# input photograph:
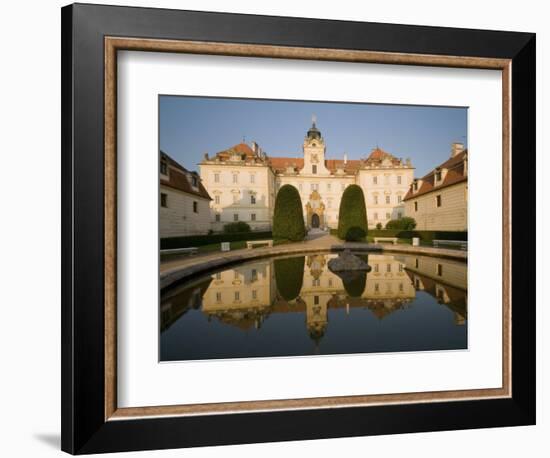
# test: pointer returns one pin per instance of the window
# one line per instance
(401, 287)
(398, 179)
(415, 185)
(376, 288)
(254, 294)
(400, 267)
(163, 200)
(438, 200)
(195, 206)
(235, 275)
(194, 181)
(235, 217)
(376, 269)
(399, 199)
(328, 187)
(438, 175)
(375, 198)
(253, 217)
(216, 178)
(315, 300)
(375, 216)
(217, 200)
(329, 203)
(388, 216)
(235, 178)
(235, 198)
(316, 282)
(314, 169)
(218, 297)
(388, 267)
(252, 178)
(218, 275)
(399, 215)
(416, 206)
(218, 217)
(330, 282)
(374, 180)
(387, 199)
(439, 270)
(252, 199)
(254, 275)
(416, 263)
(237, 296)
(163, 167)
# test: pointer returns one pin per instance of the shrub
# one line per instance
(232, 228)
(289, 276)
(352, 218)
(425, 236)
(406, 224)
(379, 226)
(288, 218)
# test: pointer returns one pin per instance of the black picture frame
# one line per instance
(84, 428)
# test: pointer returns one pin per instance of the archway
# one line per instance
(315, 220)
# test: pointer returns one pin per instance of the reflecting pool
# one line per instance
(296, 306)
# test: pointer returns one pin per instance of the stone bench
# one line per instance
(385, 239)
(179, 251)
(252, 243)
(460, 243)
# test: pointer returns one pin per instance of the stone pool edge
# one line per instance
(176, 274)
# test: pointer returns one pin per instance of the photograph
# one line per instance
(296, 228)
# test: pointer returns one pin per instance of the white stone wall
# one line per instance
(330, 188)
(451, 216)
(243, 190)
(383, 192)
(178, 218)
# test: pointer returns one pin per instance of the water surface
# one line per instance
(297, 306)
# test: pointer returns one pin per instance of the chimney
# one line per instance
(345, 158)
(456, 148)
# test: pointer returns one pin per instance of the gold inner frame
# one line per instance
(114, 44)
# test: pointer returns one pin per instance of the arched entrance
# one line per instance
(315, 220)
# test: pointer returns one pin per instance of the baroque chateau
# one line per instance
(241, 183)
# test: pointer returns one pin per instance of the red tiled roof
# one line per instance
(241, 148)
(455, 174)
(177, 179)
(377, 155)
(280, 164)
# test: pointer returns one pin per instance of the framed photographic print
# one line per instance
(284, 228)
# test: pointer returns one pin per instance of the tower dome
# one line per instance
(313, 132)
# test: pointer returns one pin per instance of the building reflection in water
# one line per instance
(245, 296)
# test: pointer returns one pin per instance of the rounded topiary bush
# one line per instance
(406, 223)
(352, 218)
(288, 219)
(289, 276)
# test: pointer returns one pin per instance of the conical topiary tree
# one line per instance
(288, 219)
(289, 277)
(352, 218)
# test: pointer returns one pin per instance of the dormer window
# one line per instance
(194, 181)
(437, 175)
(163, 167)
(415, 185)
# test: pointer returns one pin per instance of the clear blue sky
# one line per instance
(191, 126)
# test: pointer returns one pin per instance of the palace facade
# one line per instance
(184, 202)
(243, 182)
(439, 200)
